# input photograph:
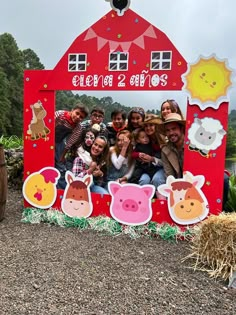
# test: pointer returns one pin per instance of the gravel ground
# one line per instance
(53, 270)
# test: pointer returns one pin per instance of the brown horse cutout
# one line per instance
(76, 201)
(37, 128)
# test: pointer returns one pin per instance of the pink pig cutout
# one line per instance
(131, 203)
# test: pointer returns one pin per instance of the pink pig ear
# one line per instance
(149, 191)
(113, 187)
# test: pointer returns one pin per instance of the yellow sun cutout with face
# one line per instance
(207, 82)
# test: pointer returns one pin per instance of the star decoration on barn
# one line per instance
(207, 82)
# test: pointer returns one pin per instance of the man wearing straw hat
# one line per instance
(172, 153)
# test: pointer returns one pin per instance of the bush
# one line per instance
(12, 142)
(231, 203)
(13, 149)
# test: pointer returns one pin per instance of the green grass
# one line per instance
(12, 142)
(231, 203)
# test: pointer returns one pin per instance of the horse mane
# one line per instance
(181, 185)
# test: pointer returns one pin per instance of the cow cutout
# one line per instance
(187, 203)
(39, 188)
(131, 204)
(76, 201)
(205, 134)
(37, 128)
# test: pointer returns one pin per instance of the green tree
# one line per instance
(65, 100)
(231, 142)
(31, 60)
(11, 62)
(89, 101)
(232, 119)
(106, 101)
(5, 104)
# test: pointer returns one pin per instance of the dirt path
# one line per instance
(53, 270)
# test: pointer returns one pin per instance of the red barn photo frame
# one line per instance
(120, 53)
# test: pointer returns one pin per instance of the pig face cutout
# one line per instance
(131, 204)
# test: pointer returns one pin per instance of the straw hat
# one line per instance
(152, 119)
(172, 117)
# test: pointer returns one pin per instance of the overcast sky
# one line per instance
(195, 27)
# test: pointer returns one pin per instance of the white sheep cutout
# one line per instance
(205, 134)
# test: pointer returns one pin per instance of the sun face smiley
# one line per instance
(207, 82)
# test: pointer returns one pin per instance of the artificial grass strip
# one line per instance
(107, 225)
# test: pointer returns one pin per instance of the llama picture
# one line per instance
(37, 128)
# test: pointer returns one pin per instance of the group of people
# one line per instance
(135, 147)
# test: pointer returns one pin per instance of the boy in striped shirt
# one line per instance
(67, 128)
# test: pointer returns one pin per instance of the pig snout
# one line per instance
(130, 205)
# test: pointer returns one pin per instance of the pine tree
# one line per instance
(5, 104)
(11, 62)
(31, 60)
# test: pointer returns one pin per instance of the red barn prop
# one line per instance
(121, 52)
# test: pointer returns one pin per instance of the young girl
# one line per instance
(120, 165)
(93, 163)
(83, 163)
(170, 106)
(135, 118)
(150, 125)
(142, 149)
(99, 154)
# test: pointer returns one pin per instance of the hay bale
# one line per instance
(214, 246)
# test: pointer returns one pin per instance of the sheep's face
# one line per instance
(205, 137)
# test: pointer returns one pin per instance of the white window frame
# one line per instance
(77, 63)
(118, 61)
(161, 60)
